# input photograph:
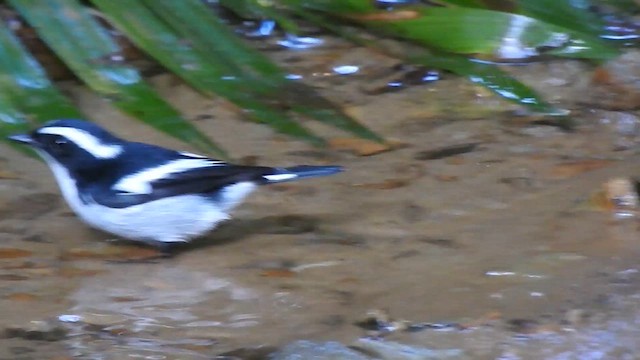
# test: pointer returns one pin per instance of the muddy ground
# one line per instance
(504, 241)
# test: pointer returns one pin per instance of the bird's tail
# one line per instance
(300, 172)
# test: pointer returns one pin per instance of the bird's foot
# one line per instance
(145, 260)
(137, 254)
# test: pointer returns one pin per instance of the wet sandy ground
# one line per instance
(502, 238)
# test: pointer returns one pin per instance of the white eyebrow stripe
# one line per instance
(140, 182)
(86, 141)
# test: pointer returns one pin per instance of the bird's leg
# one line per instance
(166, 249)
(161, 250)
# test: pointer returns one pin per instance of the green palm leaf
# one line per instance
(189, 40)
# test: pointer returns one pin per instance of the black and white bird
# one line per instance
(145, 192)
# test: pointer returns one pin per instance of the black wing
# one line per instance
(207, 179)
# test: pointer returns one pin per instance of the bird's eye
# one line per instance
(58, 146)
(60, 142)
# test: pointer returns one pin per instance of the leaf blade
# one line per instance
(87, 49)
(207, 74)
(479, 31)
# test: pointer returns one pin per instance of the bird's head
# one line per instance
(75, 144)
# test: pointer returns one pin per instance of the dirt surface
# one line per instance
(501, 239)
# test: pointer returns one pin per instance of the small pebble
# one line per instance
(248, 353)
(576, 317)
(37, 330)
(446, 151)
(413, 213)
(310, 350)
(523, 326)
(388, 350)
(441, 242)
(102, 320)
(290, 224)
(333, 238)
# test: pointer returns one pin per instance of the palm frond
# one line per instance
(467, 37)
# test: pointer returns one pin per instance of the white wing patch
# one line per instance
(190, 154)
(86, 141)
(233, 195)
(140, 182)
(280, 177)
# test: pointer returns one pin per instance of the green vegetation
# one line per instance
(188, 39)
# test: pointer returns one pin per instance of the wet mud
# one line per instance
(478, 216)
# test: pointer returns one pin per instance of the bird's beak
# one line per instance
(23, 139)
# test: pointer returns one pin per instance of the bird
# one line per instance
(147, 193)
